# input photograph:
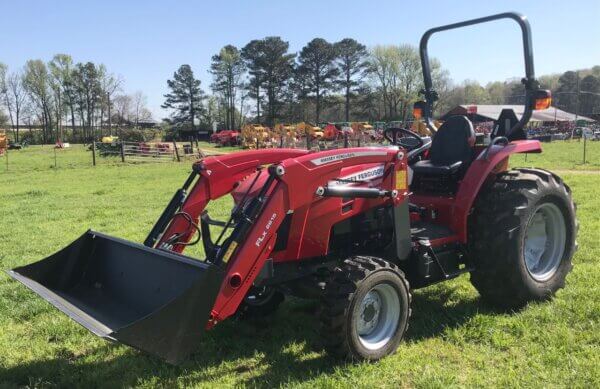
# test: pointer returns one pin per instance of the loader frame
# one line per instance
(253, 238)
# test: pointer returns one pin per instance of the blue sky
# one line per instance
(146, 41)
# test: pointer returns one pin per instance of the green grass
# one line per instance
(212, 147)
(563, 155)
(453, 339)
(46, 158)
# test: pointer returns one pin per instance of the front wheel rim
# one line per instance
(377, 316)
(545, 240)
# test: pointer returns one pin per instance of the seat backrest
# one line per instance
(507, 120)
(453, 142)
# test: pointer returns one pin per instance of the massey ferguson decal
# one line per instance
(363, 175)
(262, 236)
(339, 157)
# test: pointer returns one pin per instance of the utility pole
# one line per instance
(109, 117)
(577, 99)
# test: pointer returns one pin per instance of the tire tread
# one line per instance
(495, 220)
(338, 296)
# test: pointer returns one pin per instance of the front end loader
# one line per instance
(357, 228)
(153, 298)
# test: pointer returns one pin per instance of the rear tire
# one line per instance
(365, 309)
(522, 237)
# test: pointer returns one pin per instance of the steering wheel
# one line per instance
(409, 140)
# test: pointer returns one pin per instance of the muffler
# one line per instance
(153, 300)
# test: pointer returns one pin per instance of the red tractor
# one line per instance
(226, 138)
(356, 228)
(331, 132)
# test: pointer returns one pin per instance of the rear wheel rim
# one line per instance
(376, 319)
(545, 240)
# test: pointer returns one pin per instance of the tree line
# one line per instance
(265, 83)
(572, 91)
(63, 94)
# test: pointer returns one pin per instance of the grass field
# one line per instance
(563, 155)
(453, 339)
(45, 158)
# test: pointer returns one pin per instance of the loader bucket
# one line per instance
(153, 300)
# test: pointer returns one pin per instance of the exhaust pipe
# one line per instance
(153, 300)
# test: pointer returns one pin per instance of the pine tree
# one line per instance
(566, 93)
(352, 62)
(253, 55)
(589, 95)
(276, 66)
(270, 67)
(185, 97)
(317, 71)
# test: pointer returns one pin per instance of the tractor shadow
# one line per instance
(266, 352)
(263, 352)
(438, 309)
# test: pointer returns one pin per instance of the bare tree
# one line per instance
(3, 118)
(36, 83)
(110, 84)
(130, 109)
(145, 115)
(123, 109)
(4, 93)
(16, 97)
(139, 105)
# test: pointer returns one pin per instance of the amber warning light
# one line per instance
(418, 109)
(542, 100)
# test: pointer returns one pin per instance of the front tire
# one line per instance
(365, 309)
(522, 237)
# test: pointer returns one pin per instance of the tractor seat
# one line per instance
(428, 167)
(451, 150)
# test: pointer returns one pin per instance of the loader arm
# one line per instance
(218, 176)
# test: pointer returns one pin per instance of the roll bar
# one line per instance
(531, 85)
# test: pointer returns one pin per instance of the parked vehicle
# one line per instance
(226, 138)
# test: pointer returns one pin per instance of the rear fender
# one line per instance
(476, 175)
